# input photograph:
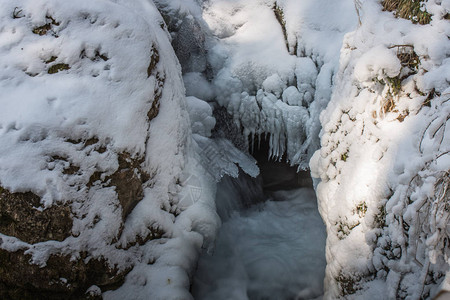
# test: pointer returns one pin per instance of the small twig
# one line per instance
(444, 187)
(418, 262)
(358, 7)
(398, 46)
(443, 153)
(17, 12)
(423, 134)
(439, 128)
(424, 279)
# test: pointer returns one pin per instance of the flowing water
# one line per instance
(271, 244)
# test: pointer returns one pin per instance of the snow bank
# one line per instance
(384, 159)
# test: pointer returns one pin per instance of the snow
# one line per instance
(381, 164)
(251, 67)
(376, 63)
(57, 102)
(379, 189)
(200, 114)
(103, 95)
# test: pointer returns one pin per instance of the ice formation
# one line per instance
(270, 64)
(273, 66)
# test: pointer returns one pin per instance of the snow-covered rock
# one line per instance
(384, 159)
(94, 152)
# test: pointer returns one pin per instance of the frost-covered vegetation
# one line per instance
(414, 10)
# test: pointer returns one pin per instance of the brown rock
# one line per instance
(128, 180)
(60, 279)
(20, 217)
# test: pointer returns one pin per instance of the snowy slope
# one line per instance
(384, 159)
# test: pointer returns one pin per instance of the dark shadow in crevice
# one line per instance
(277, 174)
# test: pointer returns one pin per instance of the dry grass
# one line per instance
(389, 104)
(407, 56)
(408, 9)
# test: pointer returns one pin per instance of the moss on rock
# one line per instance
(58, 67)
(408, 9)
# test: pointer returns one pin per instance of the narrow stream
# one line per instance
(272, 241)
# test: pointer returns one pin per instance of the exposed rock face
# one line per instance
(127, 181)
(189, 45)
(21, 217)
(61, 278)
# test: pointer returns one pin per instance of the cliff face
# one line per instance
(384, 158)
